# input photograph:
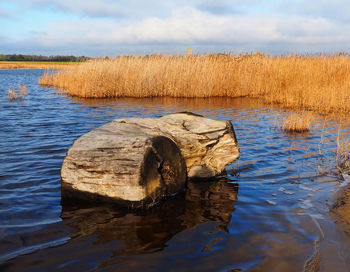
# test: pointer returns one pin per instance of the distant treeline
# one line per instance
(20, 57)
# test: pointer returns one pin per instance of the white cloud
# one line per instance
(230, 25)
(193, 26)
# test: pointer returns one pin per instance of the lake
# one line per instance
(269, 213)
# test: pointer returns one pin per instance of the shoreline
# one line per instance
(340, 209)
(35, 65)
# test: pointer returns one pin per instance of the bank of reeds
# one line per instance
(34, 65)
(318, 83)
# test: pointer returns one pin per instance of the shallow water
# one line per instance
(270, 213)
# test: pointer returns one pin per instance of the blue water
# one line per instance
(270, 213)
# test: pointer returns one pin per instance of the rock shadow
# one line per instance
(149, 230)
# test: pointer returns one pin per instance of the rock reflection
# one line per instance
(210, 201)
(147, 231)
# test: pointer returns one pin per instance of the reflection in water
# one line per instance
(149, 231)
(206, 104)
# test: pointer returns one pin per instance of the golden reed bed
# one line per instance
(34, 65)
(317, 83)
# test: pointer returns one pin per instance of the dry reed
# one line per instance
(22, 91)
(34, 65)
(297, 122)
(318, 83)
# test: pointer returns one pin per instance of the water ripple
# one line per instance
(260, 216)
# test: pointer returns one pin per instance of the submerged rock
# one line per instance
(143, 160)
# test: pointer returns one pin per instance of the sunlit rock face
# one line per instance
(143, 160)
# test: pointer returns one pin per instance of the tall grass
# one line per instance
(319, 83)
(297, 122)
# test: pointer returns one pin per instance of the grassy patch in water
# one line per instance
(318, 83)
(297, 123)
(21, 91)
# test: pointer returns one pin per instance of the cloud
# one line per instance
(190, 25)
(337, 9)
(4, 13)
(225, 6)
(101, 27)
(193, 27)
(138, 9)
(93, 8)
(125, 9)
(183, 26)
(219, 7)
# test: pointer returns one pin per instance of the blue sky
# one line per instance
(106, 27)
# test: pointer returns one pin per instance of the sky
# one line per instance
(98, 28)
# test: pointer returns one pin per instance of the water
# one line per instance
(270, 213)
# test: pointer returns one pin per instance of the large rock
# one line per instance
(142, 160)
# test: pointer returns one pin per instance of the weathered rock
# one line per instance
(126, 165)
(207, 145)
(142, 160)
